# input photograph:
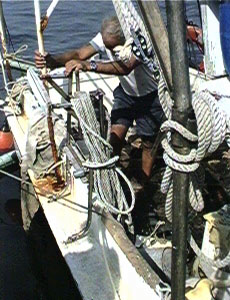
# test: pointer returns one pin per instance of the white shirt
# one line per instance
(139, 82)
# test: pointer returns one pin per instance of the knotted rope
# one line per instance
(212, 130)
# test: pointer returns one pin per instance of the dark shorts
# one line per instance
(145, 110)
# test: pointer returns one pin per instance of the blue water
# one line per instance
(72, 24)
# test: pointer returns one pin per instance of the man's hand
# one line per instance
(75, 65)
(46, 60)
(40, 60)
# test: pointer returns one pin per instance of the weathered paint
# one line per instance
(213, 59)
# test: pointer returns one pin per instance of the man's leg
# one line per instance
(147, 159)
(148, 118)
(117, 137)
(121, 119)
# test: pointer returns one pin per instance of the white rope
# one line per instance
(164, 290)
(2, 60)
(204, 260)
(20, 50)
(131, 22)
(212, 129)
(106, 182)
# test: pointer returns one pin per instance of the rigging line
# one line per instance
(10, 40)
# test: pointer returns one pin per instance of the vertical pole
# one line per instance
(182, 106)
(37, 12)
(49, 104)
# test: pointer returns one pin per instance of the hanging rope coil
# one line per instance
(106, 182)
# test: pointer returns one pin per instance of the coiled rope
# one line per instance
(106, 182)
(14, 89)
(212, 130)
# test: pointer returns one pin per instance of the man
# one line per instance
(134, 99)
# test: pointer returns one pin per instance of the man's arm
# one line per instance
(53, 61)
(115, 68)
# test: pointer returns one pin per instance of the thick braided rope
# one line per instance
(106, 182)
(129, 17)
(212, 128)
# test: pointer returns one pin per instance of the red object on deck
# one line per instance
(195, 35)
(6, 138)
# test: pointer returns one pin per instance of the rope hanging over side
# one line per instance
(106, 182)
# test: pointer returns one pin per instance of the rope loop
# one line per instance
(212, 130)
(20, 50)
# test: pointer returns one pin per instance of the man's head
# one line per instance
(112, 33)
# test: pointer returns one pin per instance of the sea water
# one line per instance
(71, 25)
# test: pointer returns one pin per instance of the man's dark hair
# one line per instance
(112, 26)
